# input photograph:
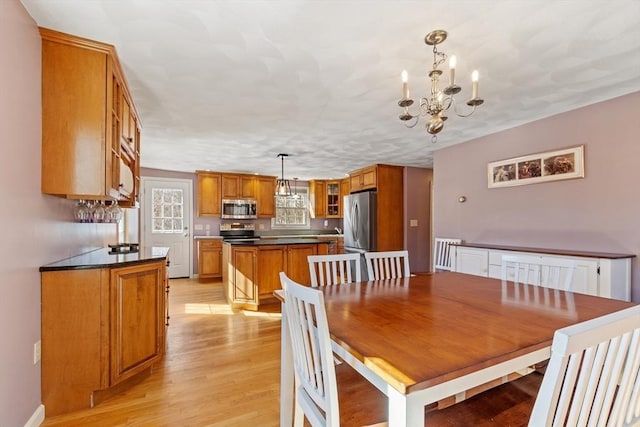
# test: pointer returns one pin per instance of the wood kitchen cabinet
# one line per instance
(266, 200)
(137, 306)
(345, 190)
(215, 186)
(245, 276)
(272, 260)
(101, 329)
(209, 259)
(236, 186)
(297, 263)
(325, 197)
(209, 200)
(90, 127)
(317, 198)
(363, 179)
(252, 273)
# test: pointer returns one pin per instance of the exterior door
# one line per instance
(166, 220)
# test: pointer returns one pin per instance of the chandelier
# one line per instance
(282, 185)
(439, 101)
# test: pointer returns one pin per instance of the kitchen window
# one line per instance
(292, 212)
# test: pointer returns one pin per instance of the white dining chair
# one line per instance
(442, 253)
(593, 377)
(334, 269)
(387, 265)
(555, 273)
(316, 390)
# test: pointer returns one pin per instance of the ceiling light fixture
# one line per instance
(282, 185)
(439, 101)
(295, 189)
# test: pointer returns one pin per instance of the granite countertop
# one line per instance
(303, 236)
(567, 252)
(101, 258)
(283, 236)
(271, 241)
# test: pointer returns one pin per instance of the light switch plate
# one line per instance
(413, 223)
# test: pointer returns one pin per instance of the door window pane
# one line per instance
(167, 210)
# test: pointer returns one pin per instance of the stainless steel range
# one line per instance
(238, 232)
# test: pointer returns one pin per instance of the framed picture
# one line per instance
(567, 163)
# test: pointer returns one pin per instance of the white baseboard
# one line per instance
(37, 418)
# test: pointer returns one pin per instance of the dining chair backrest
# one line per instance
(593, 376)
(442, 253)
(387, 265)
(555, 273)
(334, 269)
(316, 392)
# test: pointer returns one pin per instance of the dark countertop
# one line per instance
(567, 252)
(266, 242)
(100, 258)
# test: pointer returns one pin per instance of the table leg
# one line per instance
(404, 411)
(286, 374)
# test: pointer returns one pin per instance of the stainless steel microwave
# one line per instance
(239, 209)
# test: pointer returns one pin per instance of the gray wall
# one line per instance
(600, 212)
(37, 228)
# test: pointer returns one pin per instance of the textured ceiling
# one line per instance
(227, 85)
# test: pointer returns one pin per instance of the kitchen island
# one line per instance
(250, 269)
(103, 324)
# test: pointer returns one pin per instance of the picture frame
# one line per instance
(566, 163)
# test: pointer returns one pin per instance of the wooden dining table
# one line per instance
(431, 337)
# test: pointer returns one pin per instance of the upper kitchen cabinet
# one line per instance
(236, 186)
(326, 199)
(344, 191)
(209, 203)
(266, 200)
(363, 179)
(215, 186)
(90, 128)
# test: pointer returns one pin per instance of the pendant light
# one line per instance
(282, 185)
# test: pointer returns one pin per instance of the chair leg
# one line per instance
(298, 415)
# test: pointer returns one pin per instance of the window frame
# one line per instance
(303, 192)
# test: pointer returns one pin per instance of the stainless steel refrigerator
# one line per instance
(360, 224)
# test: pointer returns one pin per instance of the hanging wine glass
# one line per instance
(99, 212)
(81, 212)
(114, 212)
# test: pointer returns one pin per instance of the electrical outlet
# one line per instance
(413, 223)
(37, 352)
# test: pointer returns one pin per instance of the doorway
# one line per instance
(166, 217)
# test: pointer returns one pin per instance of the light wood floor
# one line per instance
(222, 367)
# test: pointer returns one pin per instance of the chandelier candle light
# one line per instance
(440, 100)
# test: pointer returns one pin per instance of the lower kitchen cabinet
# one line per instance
(137, 305)
(597, 273)
(252, 272)
(102, 330)
(209, 259)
